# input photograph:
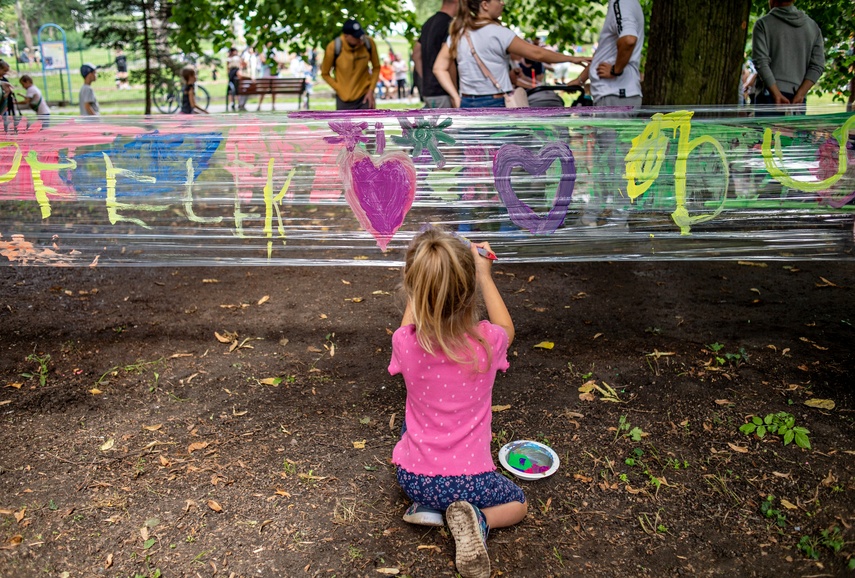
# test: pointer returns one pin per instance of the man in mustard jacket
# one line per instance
(353, 80)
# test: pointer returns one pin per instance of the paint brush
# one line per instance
(481, 250)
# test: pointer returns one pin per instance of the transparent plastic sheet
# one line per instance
(326, 188)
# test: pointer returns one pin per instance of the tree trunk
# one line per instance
(24, 28)
(147, 50)
(695, 52)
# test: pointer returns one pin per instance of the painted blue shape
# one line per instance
(162, 156)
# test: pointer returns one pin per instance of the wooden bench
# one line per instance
(275, 85)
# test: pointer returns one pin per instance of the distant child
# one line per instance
(88, 102)
(449, 361)
(33, 97)
(7, 96)
(188, 97)
(233, 65)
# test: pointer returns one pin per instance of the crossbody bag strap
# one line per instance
(483, 66)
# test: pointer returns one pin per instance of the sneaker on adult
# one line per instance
(422, 515)
(469, 528)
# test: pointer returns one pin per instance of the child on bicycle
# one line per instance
(449, 362)
(188, 97)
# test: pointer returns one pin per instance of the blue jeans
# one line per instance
(488, 101)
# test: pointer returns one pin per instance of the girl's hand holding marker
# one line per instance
(482, 248)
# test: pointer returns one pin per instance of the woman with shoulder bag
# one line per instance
(481, 45)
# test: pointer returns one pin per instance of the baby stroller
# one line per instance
(546, 96)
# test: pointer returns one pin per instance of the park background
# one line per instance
(700, 67)
(197, 421)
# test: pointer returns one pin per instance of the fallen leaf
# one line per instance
(280, 492)
(214, 506)
(355, 299)
(107, 445)
(360, 445)
(781, 474)
(144, 533)
(237, 413)
(227, 338)
(346, 282)
(751, 264)
(263, 300)
(530, 279)
(755, 290)
(500, 407)
(544, 345)
(588, 396)
(788, 504)
(189, 504)
(825, 283)
(5, 402)
(274, 381)
(323, 315)
(164, 462)
(736, 448)
(108, 562)
(16, 385)
(584, 479)
(196, 446)
(313, 349)
(19, 515)
(598, 335)
(389, 571)
(154, 427)
(820, 403)
(16, 539)
(429, 547)
(95, 391)
(210, 280)
(723, 402)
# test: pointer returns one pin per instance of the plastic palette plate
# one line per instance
(529, 460)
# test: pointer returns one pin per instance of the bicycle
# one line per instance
(168, 92)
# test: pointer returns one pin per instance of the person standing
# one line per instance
(614, 73)
(351, 67)
(33, 97)
(789, 53)
(425, 51)
(121, 70)
(233, 65)
(482, 46)
(188, 96)
(88, 102)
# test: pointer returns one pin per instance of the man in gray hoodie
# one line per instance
(789, 53)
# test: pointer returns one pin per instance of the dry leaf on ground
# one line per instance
(820, 403)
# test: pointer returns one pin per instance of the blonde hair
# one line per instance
(468, 18)
(439, 281)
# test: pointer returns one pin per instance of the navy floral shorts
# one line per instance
(481, 490)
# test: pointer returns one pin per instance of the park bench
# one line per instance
(275, 85)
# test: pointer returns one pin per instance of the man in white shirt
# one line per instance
(614, 72)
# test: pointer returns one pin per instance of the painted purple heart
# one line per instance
(381, 194)
(510, 156)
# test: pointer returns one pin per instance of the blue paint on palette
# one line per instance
(162, 156)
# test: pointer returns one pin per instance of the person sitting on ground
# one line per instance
(188, 96)
(449, 362)
(33, 97)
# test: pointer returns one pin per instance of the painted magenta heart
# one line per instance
(380, 191)
(510, 156)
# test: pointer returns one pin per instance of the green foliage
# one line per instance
(724, 358)
(809, 547)
(782, 424)
(767, 508)
(567, 22)
(42, 371)
(293, 23)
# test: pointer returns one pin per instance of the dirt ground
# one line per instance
(236, 422)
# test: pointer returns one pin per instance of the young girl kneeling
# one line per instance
(449, 362)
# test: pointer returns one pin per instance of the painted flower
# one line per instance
(424, 135)
(350, 133)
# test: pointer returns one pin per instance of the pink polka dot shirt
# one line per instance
(448, 409)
